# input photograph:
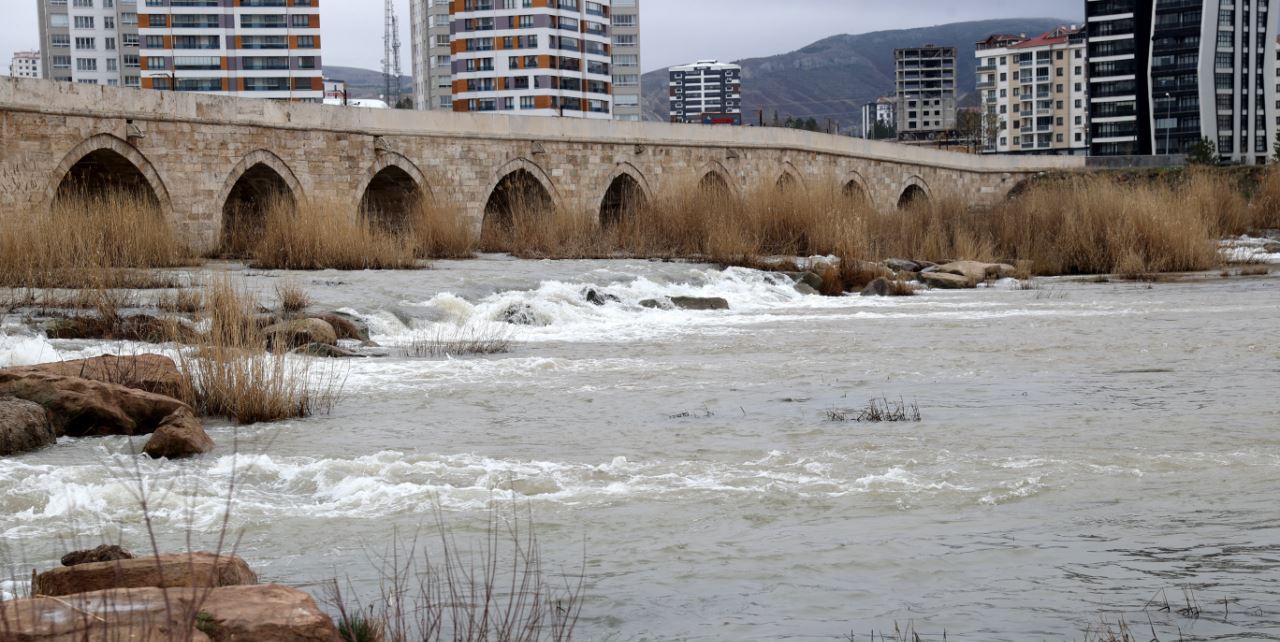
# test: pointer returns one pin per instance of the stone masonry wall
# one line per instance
(192, 149)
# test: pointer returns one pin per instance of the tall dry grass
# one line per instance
(441, 231)
(325, 235)
(1079, 225)
(234, 375)
(90, 239)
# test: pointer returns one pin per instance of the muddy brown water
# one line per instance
(1083, 448)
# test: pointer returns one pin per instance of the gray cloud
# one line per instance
(674, 31)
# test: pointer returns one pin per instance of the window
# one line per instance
(88, 44)
(84, 22)
(86, 64)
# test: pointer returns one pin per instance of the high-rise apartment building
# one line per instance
(548, 57)
(926, 90)
(90, 41)
(625, 33)
(707, 92)
(1034, 93)
(25, 64)
(432, 54)
(251, 48)
(1165, 74)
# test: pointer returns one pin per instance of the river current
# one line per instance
(1083, 447)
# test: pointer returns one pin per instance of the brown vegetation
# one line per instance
(319, 236)
(441, 231)
(233, 374)
(1075, 225)
(91, 240)
(292, 297)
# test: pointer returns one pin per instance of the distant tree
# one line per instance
(969, 126)
(881, 130)
(405, 103)
(811, 124)
(1203, 152)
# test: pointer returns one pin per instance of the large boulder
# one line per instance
(902, 265)
(103, 553)
(149, 372)
(686, 303)
(179, 436)
(878, 287)
(347, 326)
(83, 408)
(260, 613)
(24, 425)
(945, 281)
(300, 332)
(195, 570)
(265, 613)
(978, 271)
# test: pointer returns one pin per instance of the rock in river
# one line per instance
(179, 436)
(300, 332)
(195, 570)
(24, 425)
(83, 408)
(945, 281)
(149, 372)
(104, 553)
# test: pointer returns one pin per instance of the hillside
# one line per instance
(364, 83)
(834, 77)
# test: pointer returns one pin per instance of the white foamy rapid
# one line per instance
(561, 311)
(20, 350)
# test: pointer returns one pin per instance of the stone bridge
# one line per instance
(203, 157)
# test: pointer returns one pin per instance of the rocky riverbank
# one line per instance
(196, 597)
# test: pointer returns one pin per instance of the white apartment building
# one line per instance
(256, 48)
(1035, 93)
(445, 36)
(25, 64)
(882, 112)
(625, 33)
(707, 92)
(90, 41)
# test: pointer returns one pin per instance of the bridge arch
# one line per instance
(391, 191)
(914, 192)
(626, 192)
(102, 162)
(518, 187)
(790, 179)
(854, 190)
(256, 184)
(715, 178)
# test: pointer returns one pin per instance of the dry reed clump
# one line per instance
(493, 591)
(292, 297)
(441, 231)
(232, 373)
(1265, 207)
(181, 301)
(466, 340)
(319, 236)
(91, 239)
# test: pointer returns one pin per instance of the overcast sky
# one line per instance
(674, 31)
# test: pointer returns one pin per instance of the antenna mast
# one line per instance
(391, 90)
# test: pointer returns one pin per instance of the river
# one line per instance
(1083, 447)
